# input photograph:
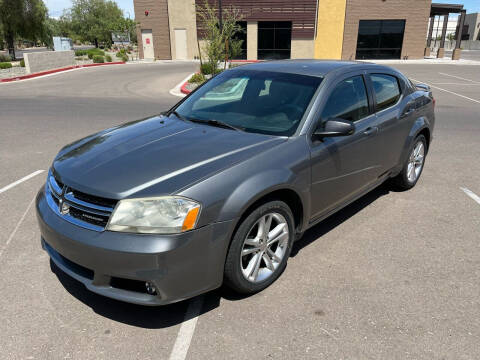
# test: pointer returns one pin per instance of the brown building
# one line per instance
(276, 29)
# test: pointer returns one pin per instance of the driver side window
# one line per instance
(347, 101)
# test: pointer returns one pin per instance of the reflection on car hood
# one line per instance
(152, 157)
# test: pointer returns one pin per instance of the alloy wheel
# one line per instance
(264, 247)
(415, 162)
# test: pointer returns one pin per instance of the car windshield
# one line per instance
(254, 101)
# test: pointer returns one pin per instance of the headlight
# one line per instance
(162, 215)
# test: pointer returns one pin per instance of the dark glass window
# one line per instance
(262, 102)
(274, 40)
(387, 90)
(380, 39)
(347, 101)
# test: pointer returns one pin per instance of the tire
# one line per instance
(241, 272)
(409, 176)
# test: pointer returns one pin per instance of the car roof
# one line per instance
(318, 68)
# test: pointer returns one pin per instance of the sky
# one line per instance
(55, 7)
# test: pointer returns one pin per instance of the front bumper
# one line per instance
(179, 266)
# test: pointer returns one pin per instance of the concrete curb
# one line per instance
(48, 72)
(177, 90)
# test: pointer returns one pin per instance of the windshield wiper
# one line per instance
(216, 123)
(174, 112)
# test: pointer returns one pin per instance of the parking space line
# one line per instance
(185, 334)
(25, 178)
(448, 91)
(461, 78)
(471, 194)
(16, 227)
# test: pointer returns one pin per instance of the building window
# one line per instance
(274, 40)
(380, 39)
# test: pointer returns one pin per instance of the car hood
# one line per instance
(152, 157)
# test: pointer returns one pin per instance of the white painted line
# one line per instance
(185, 334)
(471, 194)
(16, 227)
(460, 84)
(25, 178)
(458, 77)
(176, 90)
(448, 91)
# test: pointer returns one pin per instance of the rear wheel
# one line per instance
(260, 248)
(413, 167)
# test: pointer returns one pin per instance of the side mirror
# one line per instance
(335, 127)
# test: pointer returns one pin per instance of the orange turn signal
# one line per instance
(191, 219)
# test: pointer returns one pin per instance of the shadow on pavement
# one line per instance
(174, 314)
(338, 218)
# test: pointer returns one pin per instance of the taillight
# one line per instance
(434, 102)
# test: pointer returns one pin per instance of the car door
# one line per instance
(395, 107)
(344, 166)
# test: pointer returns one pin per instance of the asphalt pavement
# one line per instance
(392, 276)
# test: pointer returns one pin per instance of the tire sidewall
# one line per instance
(233, 272)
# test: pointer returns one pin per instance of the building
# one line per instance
(473, 23)
(277, 29)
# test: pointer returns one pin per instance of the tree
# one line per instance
(220, 42)
(22, 18)
(94, 20)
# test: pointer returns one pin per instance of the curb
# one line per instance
(177, 90)
(48, 72)
(184, 89)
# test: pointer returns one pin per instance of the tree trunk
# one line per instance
(10, 44)
(96, 42)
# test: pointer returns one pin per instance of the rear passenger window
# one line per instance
(347, 101)
(387, 90)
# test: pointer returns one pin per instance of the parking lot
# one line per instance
(395, 275)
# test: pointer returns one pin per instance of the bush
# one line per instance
(22, 63)
(206, 69)
(197, 78)
(80, 52)
(5, 58)
(5, 65)
(92, 52)
(108, 58)
(121, 53)
(124, 58)
(98, 59)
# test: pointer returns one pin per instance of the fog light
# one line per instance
(150, 288)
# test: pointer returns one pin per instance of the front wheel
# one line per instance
(413, 167)
(260, 248)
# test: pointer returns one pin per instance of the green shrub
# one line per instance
(124, 58)
(92, 52)
(22, 63)
(80, 52)
(5, 65)
(5, 58)
(108, 58)
(98, 59)
(197, 78)
(206, 69)
(121, 53)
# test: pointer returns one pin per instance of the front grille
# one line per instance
(89, 211)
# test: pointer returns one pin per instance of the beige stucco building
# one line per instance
(276, 29)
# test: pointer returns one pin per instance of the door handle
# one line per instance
(408, 112)
(371, 131)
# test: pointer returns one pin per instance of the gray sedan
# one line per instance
(216, 190)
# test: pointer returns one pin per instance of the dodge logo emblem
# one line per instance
(64, 207)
